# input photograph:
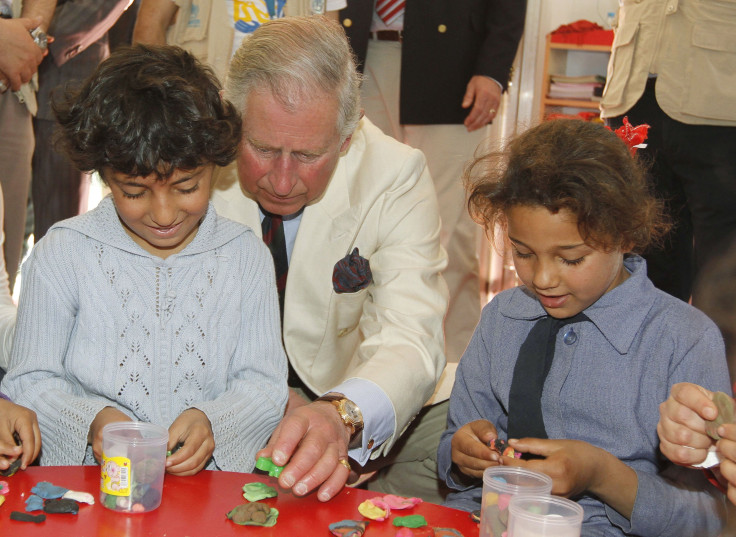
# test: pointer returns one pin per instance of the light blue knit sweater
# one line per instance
(104, 323)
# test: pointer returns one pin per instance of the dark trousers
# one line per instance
(693, 168)
(58, 189)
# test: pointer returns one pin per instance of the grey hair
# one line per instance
(298, 58)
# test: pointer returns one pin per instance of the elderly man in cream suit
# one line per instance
(672, 67)
(373, 353)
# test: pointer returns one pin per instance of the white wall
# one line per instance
(555, 13)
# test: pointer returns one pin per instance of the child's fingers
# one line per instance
(689, 404)
(192, 459)
(484, 431)
(535, 446)
(30, 438)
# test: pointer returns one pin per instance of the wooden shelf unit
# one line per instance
(555, 59)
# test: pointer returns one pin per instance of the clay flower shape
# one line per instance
(352, 273)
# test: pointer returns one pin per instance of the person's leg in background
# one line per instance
(704, 159)
(671, 267)
(8, 310)
(16, 150)
(59, 190)
(411, 467)
(448, 149)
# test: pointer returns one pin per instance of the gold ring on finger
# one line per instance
(346, 464)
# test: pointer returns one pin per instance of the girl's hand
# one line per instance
(21, 421)
(470, 447)
(191, 443)
(104, 416)
(572, 464)
(577, 467)
(681, 426)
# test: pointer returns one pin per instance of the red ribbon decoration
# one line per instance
(632, 136)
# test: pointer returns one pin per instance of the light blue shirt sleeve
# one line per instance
(378, 415)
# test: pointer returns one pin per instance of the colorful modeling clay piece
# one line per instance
(726, 414)
(48, 491)
(475, 516)
(81, 497)
(349, 528)
(25, 517)
(399, 502)
(147, 471)
(267, 465)
(258, 491)
(177, 447)
(504, 449)
(2, 500)
(60, 505)
(10, 470)
(410, 521)
(4, 488)
(108, 500)
(34, 503)
(447, 532)
(404, 532)
(254, 514)
(369, 509)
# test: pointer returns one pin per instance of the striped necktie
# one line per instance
(273, 235)
(390, 10)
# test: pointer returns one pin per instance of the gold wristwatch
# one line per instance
(349, 412)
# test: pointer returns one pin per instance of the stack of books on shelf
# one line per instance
(580, 88)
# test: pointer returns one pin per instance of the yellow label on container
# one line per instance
(115, 476)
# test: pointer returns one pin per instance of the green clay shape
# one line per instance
(410, 521)
(726, 414)
(258, 491)
(254, 514)
(267, 465)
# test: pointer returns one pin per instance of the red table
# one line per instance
(196, 506)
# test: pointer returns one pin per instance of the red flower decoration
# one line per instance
(633, 137)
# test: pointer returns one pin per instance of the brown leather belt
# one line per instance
(387, 35)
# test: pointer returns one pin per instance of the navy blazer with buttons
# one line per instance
(445, 43)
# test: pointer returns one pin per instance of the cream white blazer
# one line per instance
(380, 199)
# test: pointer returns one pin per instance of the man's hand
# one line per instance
(484, 94)
(104, 416)
(681, 426)
(192, 432)
(19, 55)
(313, 440)
(18, 419)
(470, 450)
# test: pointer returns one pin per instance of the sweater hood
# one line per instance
(103, 224)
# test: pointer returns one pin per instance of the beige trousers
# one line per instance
(447, 149)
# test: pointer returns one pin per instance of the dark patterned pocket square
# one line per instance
(352, 273)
